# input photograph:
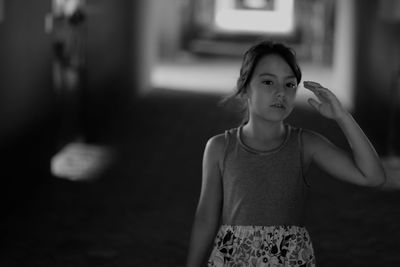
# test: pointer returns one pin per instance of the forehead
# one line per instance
(273, 64)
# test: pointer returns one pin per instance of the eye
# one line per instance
(291, 85)
(267, 82)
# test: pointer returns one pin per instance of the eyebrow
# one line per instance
(270, 74)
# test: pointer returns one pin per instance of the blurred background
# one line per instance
(105, 108)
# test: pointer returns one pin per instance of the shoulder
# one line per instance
(216, 144)
(214, 152)
(311, 138)
(305, 136)
(314, 143)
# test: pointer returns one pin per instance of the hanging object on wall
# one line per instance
(68, 27)
(256, 4)
(69, 40)
(228, 27)
(262, 16)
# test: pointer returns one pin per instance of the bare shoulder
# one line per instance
(214, 151)
(313, 142)
(311, 138)
(215, 145)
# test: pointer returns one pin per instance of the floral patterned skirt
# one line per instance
(262, 246)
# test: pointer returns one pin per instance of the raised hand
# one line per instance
(328, 106)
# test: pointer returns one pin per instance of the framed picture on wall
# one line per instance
(254, 16)
(269, 5)
(227, 27)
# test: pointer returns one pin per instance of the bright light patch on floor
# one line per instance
(81, 162)
(277, 21)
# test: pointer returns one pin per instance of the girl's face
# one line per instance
(272, 89)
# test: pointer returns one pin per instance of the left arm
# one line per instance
(363, 167)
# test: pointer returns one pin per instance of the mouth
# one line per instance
(278, 106)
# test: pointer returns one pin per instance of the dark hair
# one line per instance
(255, 53)
(251, 58)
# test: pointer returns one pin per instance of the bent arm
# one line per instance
(365, 157)
(208, 211)
(362, 166)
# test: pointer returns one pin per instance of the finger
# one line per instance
(311, 83)
(321, 92)
(326, 94)
(313, 90)
(314, 103)
(313, 87)
(316, 92)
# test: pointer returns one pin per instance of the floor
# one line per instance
(139, 211)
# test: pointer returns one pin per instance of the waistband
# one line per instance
(244, 231)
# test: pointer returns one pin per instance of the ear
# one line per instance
(246, 93)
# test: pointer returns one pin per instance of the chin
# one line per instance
(278, 116)
(273, 115)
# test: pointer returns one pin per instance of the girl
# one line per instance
(253, 185)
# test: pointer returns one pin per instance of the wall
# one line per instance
(25, 67)
(121, 48)
(146, 43)
(377, 61)
(343, 59)
(107, 69)
(27, 125)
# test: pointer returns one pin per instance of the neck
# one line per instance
(264, 131)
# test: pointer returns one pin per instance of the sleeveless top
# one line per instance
(263, 188)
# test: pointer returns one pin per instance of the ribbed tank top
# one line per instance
(263, 187)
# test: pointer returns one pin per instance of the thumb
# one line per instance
(313, 103)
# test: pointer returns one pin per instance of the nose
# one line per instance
(280, 91)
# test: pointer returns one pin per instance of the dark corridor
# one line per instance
(139, 212)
